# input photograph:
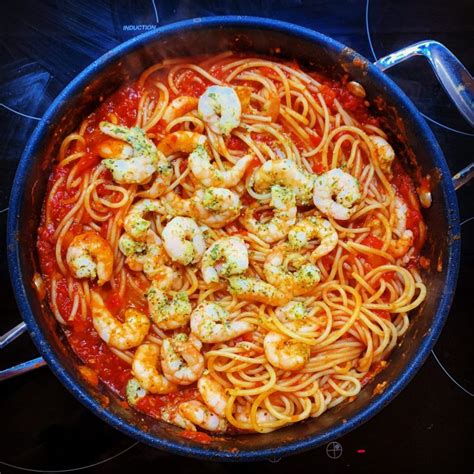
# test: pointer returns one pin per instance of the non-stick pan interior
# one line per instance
(260, 38)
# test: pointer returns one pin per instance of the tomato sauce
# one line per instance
(121, 107)
(372, 259)
(197, 436)
(81, 334)
(45, 248)
(189, 83)
(94, 352)
(236, 144)
(376, 368)
(358, 107)
(152, 404)
(405, 188)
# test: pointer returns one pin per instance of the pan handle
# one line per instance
(463, 177)
(454, 77)
(22, 368)
(12, 334)
(27, 366)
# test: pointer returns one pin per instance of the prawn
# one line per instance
(271, 106)
(135, 164)
(399, 247)
(183, 240)
(399, 217)
(134, 392)
(384, 153)
(145, 370)
(262, 417)
(168, 313)
(214, 207)
(284, 172)
(198, 414)
(310, 228)
(298, 282)
(181, 359)
(90, 256)
(294, 316)
(135, 224)
(120, 335)
(149, 257)
(220, 108)
(213, 394)
(337, 183)
(402, 238)
(211, 323)
(179, 107)
(277, 228)
(225, 257)
(285, 353)
(181, 141)
(173, 416)
(244, 94)
(208, 175)
(112, 148)
(254, 289)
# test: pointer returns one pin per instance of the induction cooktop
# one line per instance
(44, 44)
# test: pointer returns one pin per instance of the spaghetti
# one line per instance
(231, 244)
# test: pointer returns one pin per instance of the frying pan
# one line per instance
(412, 139)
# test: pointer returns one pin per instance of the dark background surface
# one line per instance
(44, 44)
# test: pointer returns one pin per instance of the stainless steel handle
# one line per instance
(454, 77)
(463, 177)
(22, 368)
(11, 335)
(19, 369)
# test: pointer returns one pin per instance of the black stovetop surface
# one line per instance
(43, 45)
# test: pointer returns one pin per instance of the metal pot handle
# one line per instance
(454, 77)
(27, 366)
(451, 73)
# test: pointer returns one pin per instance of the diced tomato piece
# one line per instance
(372, 241)
(235, 143)
(189, 83)
(63, 301)
(328, 260)
(197, 436)
(114, 302)
(263, 137)
(74, 230)
(89, 160)
(247, 200)
(218, 72)
(314, 140)
(328, 94)
(375, 243)
(46, 252)
(267, 71)
(247, 337)
(103, 229)
(350, 102)
(102, 191)
(255, 163)
(413, 218)
(383, 314)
